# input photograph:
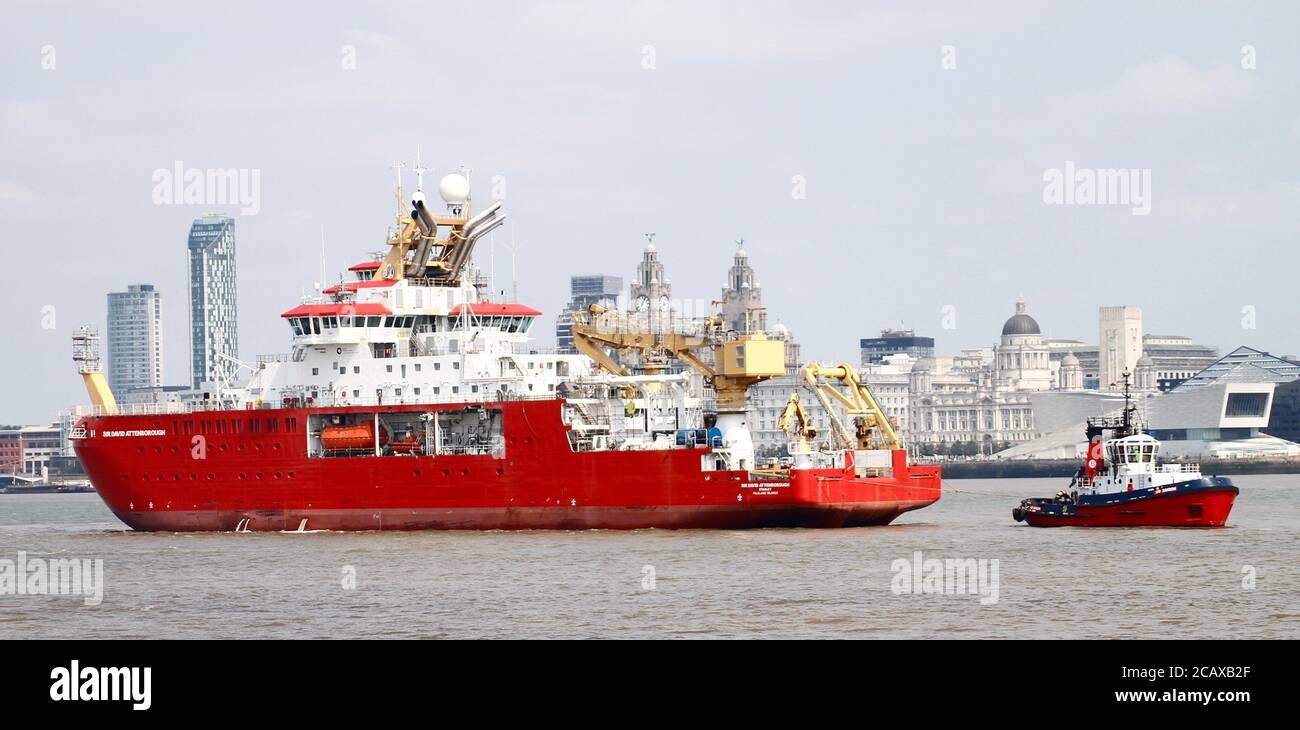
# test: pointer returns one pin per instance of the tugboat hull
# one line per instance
(1202, 502)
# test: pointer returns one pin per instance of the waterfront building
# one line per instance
(1248, 365)
(1070, 373)
(1023, 388)
(135, 356)
(584, 291)
(39, 444)
(1244, 405)
(741, 307)
(1086, 355)
(651, 292)
(1119, 344)
(1022, 360)
(1176, 358)
(11, 451)
(214, 329)
(741, 303)
(874, 350)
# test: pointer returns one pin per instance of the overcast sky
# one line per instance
(924, 182)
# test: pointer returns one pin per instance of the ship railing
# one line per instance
(1180, 468)
(273, 358)
(526, 349)
(301, 401)
(494, 445)
(485, 395)
(153, 409)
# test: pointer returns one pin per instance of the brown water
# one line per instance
(1066, 582)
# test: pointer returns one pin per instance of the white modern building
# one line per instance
(1221, 412)
(135, 355)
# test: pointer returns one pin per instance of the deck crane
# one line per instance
(796, 422)
(737, 362)
(872, 429)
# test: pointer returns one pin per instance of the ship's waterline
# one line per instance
(1232, 582)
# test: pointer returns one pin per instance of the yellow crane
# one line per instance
(738, 362)
(871, 427)
(796, 422)
(85, 352)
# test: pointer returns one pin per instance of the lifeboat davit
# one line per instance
(355, 436)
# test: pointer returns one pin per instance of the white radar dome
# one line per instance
(454, 188)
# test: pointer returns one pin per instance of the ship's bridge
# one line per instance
(365, 271)
(496, 316)
(1136, 453)
(352, 322)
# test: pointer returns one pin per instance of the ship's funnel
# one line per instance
(476, 221)
(487, 228)
(422, 218)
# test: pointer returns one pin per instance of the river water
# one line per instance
(1242, 581)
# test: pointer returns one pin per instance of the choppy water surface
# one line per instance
(760, 583)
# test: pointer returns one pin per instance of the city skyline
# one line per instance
(925, 184)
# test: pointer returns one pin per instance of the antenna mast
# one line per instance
(420, 169)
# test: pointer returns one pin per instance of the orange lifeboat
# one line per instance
(355, 436)
(408, 445)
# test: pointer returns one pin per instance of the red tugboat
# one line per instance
(1122, 484)
(410, 400)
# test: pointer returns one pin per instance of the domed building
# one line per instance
(1021, 360)
(1144, 375)
(1070, 376)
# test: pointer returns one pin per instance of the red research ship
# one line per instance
(410, 401)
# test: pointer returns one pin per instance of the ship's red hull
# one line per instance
(253, 472)
(1207, 507)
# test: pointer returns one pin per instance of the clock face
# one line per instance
(663, 303)
(642, 303)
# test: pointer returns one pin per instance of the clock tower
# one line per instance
(651, 292)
